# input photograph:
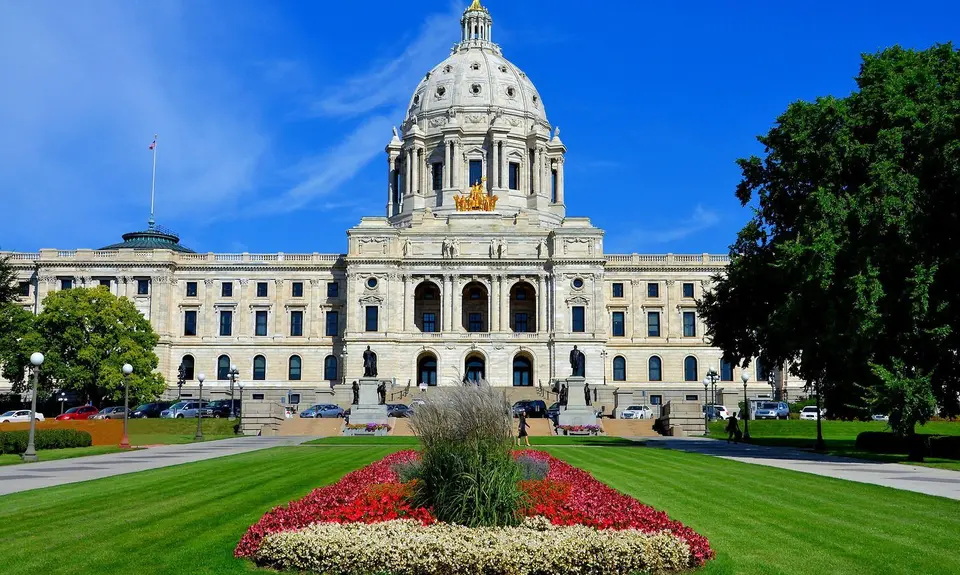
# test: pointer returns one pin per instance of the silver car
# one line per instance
(185, 409)
(110, 413)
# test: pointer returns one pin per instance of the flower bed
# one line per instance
(573, 523)
(366, 428)
(579, 429)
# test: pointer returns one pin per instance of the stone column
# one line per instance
(203, 327)
(668, 323)
(537, 171)
(504, 303)
(390, 172)
(122, 283)
(408, 289)
(280, 320)
(638, 314)
(242, 319)
(315, 317)
(447, 165)
(408, 176)
(495, 166)
(560, 180)
(415, 169)
(494, 305)
(456, 300)
(447, 303)
(541, 305)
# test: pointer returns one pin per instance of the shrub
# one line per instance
(467, 473)
(407, 547)
(16, 441)
(889, 442)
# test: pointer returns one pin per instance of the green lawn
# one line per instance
(53, 454)
(188, 518)
(174, 431)
(413, 442)
(839, 436)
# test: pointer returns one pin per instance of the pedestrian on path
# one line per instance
(522, 431)
(733, 429)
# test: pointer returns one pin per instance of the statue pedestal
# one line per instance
(369, 409)
(577, 412)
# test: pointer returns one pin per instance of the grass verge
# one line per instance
(55, 454)
(176, 431)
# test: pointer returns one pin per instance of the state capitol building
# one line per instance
(474, 270)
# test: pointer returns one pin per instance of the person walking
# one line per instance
(733, 429)
(522, 431)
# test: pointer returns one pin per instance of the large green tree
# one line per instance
(88, 334)
(18, 339)
(8, 282)
(847, 270)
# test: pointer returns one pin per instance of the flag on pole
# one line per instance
(153, 144)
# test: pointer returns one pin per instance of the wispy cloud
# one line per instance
(699, 220)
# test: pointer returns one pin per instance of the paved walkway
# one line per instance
(940, 482)
(23, 477)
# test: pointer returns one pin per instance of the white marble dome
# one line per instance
(476, 78)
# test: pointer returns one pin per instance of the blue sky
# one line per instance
(273, 116)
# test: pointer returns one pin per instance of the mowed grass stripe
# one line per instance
(181, 519)
(767, 520)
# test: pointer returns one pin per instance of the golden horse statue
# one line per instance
(478, 200)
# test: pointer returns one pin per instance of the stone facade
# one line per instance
(439, 291)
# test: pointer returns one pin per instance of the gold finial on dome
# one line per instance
(476, 6)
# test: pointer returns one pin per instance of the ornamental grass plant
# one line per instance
(467, 474)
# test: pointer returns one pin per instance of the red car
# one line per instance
(82, 412)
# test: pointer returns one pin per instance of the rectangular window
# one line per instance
(520, 323)
(437, 176)
(656, 400)
(261, 322)
(474, 323)
(333, 289)
(373, 318)
(618, 329)
(24, 289)
(296, 323)
(429, 323)
(653, 290)
(66, 283)
(294, 399)
(226, 322)
(333, 323)
(618, 290)
(689, 324)
(688, 290)
(297, 289)
(476, 172)
(143, 287)
(105, 283)
(514, 177)
(261, 289)
(191, 289)
(258, 397)
(578, 323)
(690, 397)
(653, 324)
(553, 186)
(226, 289)
(190, 322)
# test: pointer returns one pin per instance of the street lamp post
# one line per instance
(746, 406)
(603, 356)
(711, 378)
(234, 376)
(127, 370)
(240, 413)
(199, 435)
(30, 455)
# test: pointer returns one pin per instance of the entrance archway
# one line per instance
(523, 308)
(522, 370)
(475, 368)
(476, 308)
(427, 369)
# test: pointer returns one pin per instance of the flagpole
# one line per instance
(153, 181)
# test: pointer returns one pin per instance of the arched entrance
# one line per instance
(523, 308)
(475, 368)
(476, 309)
(427, 369)
(522, 370)
(426, 307)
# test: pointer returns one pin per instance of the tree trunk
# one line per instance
(820, 445)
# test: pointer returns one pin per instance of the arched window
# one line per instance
(259, 368)
(690, 369)
(188, 364)
(726, 370)
(522, 371)
(330, 368)
(476, 368)
(427, 370)
(223, 367)
(293, 370)
(619, 369)
(654, 366)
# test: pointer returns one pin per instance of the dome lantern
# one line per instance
(476, 25)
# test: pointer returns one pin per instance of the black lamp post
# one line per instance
(711, 378)
(746, 406)
(30, 455)
(127, 370)
(234, 376)
(199, 434)
(240, 411)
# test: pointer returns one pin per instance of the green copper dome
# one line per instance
(153, 238)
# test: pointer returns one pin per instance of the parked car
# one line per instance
(110, 413)
(18, 416)
(82, 412)
(418, 401)
(772, 410)
(716, 411)
(810, 412)
(398, 410)
(225, 407)
(185, 409)
(880, 417)
(323, 410)
(553, 412)
(637, 412)
(532, 407)
(150, 409)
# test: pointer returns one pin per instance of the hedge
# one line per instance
(16, 441)
(943, 446)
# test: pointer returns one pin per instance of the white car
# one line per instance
(880, 417)
(636, 412)
(18, 416)
(721, 411)
(810, 413)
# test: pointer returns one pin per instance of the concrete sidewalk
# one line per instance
(927, 480)
(23, 477)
